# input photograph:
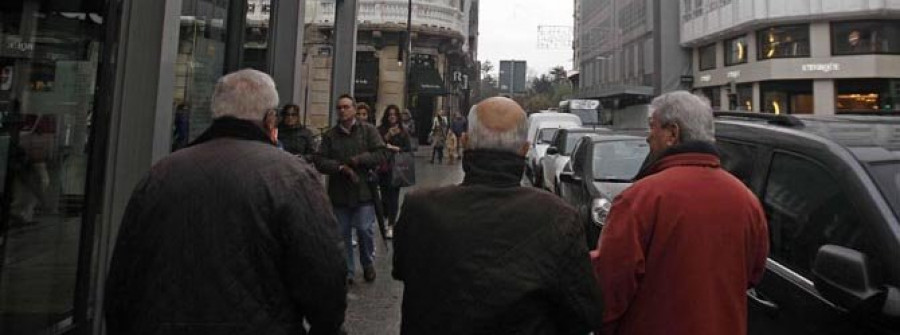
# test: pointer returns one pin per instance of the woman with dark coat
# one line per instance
(295, 138)
(397, 139)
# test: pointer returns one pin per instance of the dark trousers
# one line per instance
(439, 152)
(390, 196)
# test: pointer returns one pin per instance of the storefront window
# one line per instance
(744, 98)
(256, 37)
(867, 95)
(713, 94)
(736, 51)
(201, 61)
(49, 60)
(708, 57)
(787, 97)
(865, 37)
(783, 42)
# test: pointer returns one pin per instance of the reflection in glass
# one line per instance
(865, 37)
(736, 51)
(256, 35)
(200, 63)
(708, 57)
(867, 95)
(48, 71)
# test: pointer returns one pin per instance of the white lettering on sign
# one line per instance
(705, 78)
(20, 46)
(734, 74)
(823, 67)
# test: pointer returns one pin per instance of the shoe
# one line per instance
(389, 233)
(369, 273)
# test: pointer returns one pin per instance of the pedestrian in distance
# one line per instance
(458, 128)
(452, 144)
(364, 113)
(229, 235)
(683, 244)
(293, 135)
(349, 154)
(438, 136)
(397, 140)
(409, 124)
(490, 256)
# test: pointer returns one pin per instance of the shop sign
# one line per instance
(821, 67)
(705, 78)
(734, 74)
(14, 46)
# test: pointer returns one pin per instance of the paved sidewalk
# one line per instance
(374, 308)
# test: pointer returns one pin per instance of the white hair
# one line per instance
(480, 137)
(246, 94)
(691, 113)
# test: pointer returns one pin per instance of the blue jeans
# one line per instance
(362, 218)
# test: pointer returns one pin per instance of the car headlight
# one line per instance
(599, 211)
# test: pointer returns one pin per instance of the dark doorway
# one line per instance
(423, 113)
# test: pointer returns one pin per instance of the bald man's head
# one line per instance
(498, 124)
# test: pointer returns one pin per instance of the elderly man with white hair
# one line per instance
(489, 256)
(683, 244)
(229, 235)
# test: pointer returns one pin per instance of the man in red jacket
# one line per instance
(685, 242)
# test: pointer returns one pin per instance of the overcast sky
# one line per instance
(509, 31)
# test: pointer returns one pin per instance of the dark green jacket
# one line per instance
(338, 147)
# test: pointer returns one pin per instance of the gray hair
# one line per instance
(691, 113)
(481, 137)
(245, 94)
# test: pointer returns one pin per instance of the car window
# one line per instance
(619, 161)
(546, 135)
(807, 209)
(887, 177)
(739, 159)
(571, 139)
(578, 156)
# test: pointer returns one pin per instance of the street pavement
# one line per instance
(374, 308)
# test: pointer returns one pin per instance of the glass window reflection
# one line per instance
(783, 42)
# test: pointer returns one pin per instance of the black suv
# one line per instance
(830, 186)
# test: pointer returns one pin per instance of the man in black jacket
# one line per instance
(490, 256)
(348, 154)
(229, 235)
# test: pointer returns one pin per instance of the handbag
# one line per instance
(403, 169)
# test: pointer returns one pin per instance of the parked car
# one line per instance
(602, 166)
(558, 154)
(830, 187)
(541, 128)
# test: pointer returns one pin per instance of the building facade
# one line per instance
(441, 64)
(627, 52)
(793, 56)
(92, 93)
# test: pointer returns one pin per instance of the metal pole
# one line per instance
(407, 46)
(344, 53)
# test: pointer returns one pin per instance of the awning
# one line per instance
(426, 81)
(366, 83)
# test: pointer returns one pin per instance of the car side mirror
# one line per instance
(552, 151)
(844, 277)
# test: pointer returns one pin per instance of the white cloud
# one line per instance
(509, 31)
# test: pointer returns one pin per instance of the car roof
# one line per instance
(616, 137)
(868, 137)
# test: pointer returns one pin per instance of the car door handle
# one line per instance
(761, 300)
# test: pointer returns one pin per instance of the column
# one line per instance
(286, 48)
(342, 75)
(823, 97)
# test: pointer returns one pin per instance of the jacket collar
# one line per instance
(694, 153)
(233, 128)
(493, 168)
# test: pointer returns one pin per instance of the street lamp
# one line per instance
(405, 42)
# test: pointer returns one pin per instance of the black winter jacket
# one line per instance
(231, 236)
(492, 257)
(298, 141)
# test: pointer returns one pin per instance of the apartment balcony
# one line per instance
(391, 15)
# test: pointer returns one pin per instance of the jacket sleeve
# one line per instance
(314, 269)
(405, 143)
(619, 261)
(375, 150)
(401, 239)
(307, 147)
(759, 245)
(324, 158)
(577, 294)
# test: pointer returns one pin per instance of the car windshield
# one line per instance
(587, 116)
(546, 135)
(619, 161)
(887, 177)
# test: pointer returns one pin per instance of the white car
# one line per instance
(559, 153)
(541, 129)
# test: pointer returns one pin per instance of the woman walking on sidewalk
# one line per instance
(396, 139)
(438, 136)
